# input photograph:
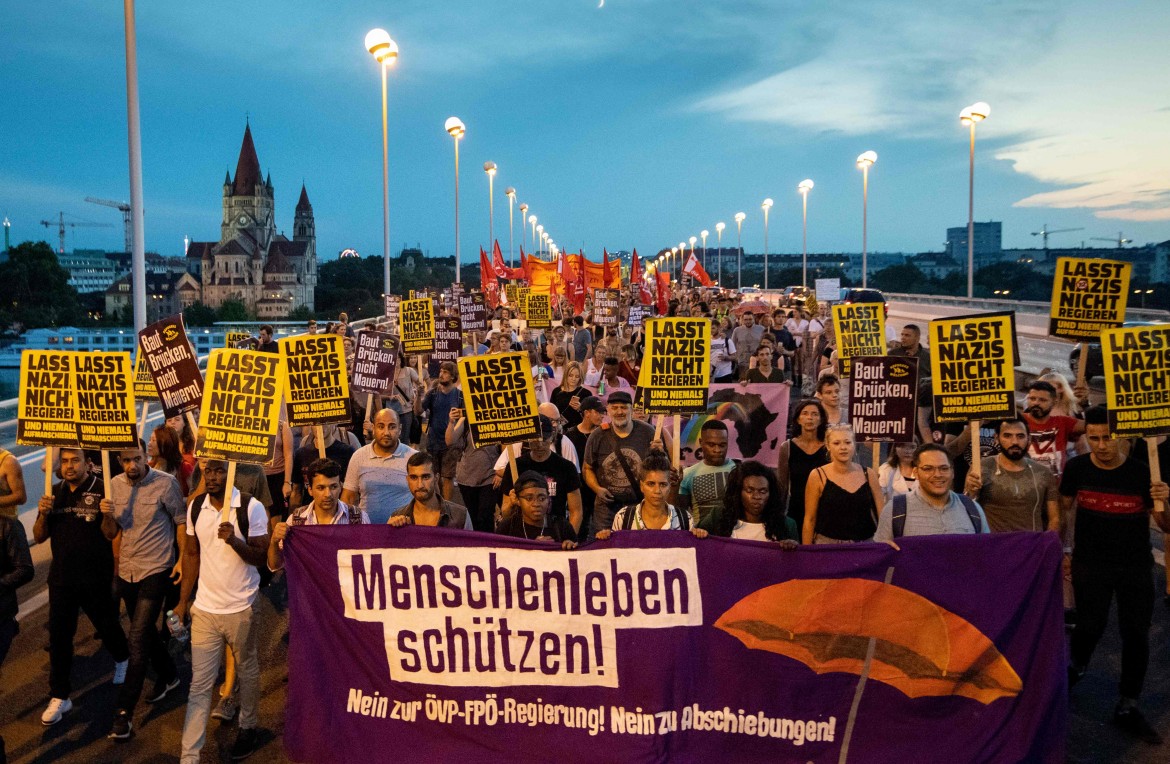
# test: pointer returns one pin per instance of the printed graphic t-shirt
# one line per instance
(1112, 510)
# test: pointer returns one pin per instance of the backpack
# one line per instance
(241, 520)
(899, 518)
(684, 518)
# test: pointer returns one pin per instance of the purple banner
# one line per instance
(459, 646)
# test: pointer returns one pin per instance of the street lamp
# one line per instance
(511, 194)
(539, 240)
(976, 112)
(532, 222)
(739, 218)
(804, 187)
(703, 258)
(544, 239)
(490, 169)
(682, 249)
(865, 160)
(455, 127)
(385, 52)
(719, 237)
(767, 205)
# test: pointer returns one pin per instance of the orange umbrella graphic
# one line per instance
(858, 626)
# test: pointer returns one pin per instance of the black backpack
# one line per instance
(899, 519)
(241, 520)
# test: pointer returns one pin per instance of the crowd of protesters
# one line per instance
(174, 540)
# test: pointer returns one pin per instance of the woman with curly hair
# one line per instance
(752, 508)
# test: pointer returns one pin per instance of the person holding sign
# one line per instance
(233, 545)
(613, 456)
(1016, 493)
(148, 509)
(80, 575)
(1112, 496)
(1051, 433)
(443, 396)
(841, 499)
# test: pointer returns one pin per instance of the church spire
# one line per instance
(248, 167)
(303, 202)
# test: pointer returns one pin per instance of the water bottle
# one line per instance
(176, 627)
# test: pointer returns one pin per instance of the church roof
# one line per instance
(277, 262)
(292, 248)
(247, 167)
(232, 247)
(200, 249)
(303, 202)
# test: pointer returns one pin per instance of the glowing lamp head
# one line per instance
(532, 219)
(720, 226)
(976, 112)
(804, 186)
(510, 192)
(693, 239)
(539, 228)
(381, 47)
(866, 159)
(767, 205)
(455, 127)
(523, 208)
(740, 217)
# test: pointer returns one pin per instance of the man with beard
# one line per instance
(426, 506)
(233, 541)
(1050, 433)
(324, 508)
(613, 456)
(1016, 493)
(376, 478)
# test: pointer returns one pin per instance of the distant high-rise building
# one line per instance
(988, 241)
(251, 262)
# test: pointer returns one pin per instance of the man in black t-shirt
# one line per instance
(1112, 496)
(79, 576)
(564, 482)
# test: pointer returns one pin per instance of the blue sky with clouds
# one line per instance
(634, 124)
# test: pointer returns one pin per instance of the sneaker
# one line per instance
(120, 671)
(57, 708)
(247, 742)
(123, 726)
(161, 690)
(1131, 720)
(226, 708)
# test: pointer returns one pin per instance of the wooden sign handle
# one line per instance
(319, 436)
(1155, 469)
(370, 406)
(106, 479)
(225, 514)
(142, 425)
(512, 463)
(48, 470)
(976, 452)
(658, 427)
(676, 445)
(877, 454)
(194, 425)
(1082, 363)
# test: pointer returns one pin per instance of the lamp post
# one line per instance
(511, 194)
(767, 205)
(804, 187)
(739, 218)
(532, 222)
(865, 160)
(719, 256)
(385, 52)
(976, 112)
(455, 127)
(703, 258)
(682, 250)
(670, 263)
(490, 169)
(544, 241)
(540, 240)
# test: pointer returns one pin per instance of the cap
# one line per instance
(593, 403)
(529, 479)
(620, 396)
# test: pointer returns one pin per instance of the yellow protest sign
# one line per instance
(241, 407)
(499, 397)
(522, 295)
(416, 325)
(144, 389)
(44, 416)
(105, 416)
(861, 331)
(1088, 296)
(676, 370)
(512, 295)
(233, 339)
(1137, 380)
(316, 384)
(974, 367)
(538, 311)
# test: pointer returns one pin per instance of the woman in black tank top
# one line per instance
(842, 498)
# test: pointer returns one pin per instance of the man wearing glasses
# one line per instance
(932, 508)
(533, 521)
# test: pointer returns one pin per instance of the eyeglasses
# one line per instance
(930, 470)
(535, 498)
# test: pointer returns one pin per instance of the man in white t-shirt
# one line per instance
(222, 612)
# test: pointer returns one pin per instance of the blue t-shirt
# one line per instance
(439, 405)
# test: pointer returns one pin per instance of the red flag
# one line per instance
(498, 262)
(487, 281)
(695, 270)
(663, 293)
(635, 269)
(524, 268)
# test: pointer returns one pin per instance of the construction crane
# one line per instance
(1120, 241)
(60, 223)
(1044, 233)
(127, 226)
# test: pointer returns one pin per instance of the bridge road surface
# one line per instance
(80, 736)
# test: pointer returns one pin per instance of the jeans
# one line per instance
(481, 503)
(209, 633)
(65, 600)
(1094, 585)
(144, 601)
